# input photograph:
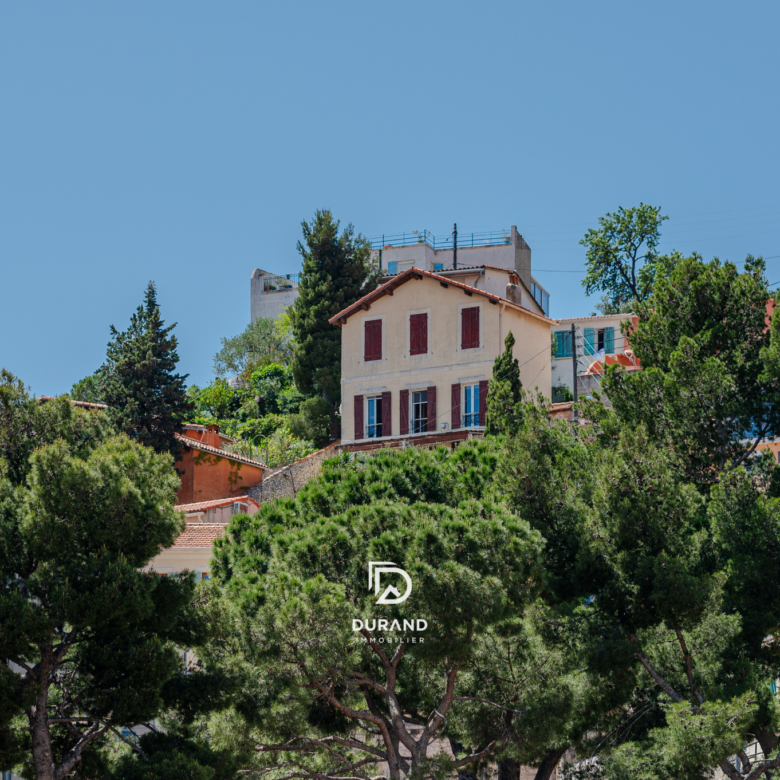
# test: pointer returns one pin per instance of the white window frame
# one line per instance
(366, 399)
(411, 409)
(463, 404)
(409, 354)
(363, 321)
(471, 305)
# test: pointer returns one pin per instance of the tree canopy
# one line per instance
(146, 399)
(88, 639)
(337, 271)
(621, 256)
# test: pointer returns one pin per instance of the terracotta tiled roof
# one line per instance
(417, 273)
(199, 445)
(203, 506)
(625, 359)
(200, 535)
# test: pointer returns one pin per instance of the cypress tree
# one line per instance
(505, 393)
(146, 399)
(337, 271)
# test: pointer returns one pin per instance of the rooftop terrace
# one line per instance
(465, 240)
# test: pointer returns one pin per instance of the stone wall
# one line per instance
(286, 481)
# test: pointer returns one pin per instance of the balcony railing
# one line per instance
(276, 283)
(465, 240)
(471, 420)
(374, 431)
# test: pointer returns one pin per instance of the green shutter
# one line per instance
(590, 341)
(609, 341)
(559, 334)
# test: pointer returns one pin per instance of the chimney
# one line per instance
(513, 293)
(522, 257)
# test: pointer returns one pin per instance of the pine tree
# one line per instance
(505, 393)
(147, 400)
(337, 271)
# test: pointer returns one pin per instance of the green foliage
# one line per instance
(312, 422)
(621, 256)
(179, 753)
(708, 389)
(337, 271)
(291, 579)
(562, 394)
(91, 388)
(263, 342)
(505, 393)
(82, 511)
(146, 400)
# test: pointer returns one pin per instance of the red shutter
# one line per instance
(373, 340)
(418, 334)
(404, 412)
(431, 410)
(469, 318)
(483, 391)
(455, 407)
(359, 432)
(387, 415)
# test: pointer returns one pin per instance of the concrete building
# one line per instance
(417, 354)
(599, 341)
(505, 249)
(271, 294)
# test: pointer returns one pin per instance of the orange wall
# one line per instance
(205, 477)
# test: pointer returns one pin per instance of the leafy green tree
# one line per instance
(88, 640)
(291, 581)
(621, 255)
(505, 393)
(263, 342)
(709, 388)
(146, 399)
(312, 422)
(91, 388)
(337, 271)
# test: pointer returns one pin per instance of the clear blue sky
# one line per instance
(184, 142)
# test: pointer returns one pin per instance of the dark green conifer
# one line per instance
(505, 393)
(337, 271)
(146, 399)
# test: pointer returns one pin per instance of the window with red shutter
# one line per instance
(469, 327)
(418, 334)
(373, 340)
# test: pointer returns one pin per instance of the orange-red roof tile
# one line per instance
(199, 445)
(199, 535)
(203, 506)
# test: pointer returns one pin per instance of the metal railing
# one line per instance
(465, 240)
(286, 282)
(471, 420)
(373, 431)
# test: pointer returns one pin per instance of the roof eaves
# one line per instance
(199, 445)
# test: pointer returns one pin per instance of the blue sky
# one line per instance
(185, 142)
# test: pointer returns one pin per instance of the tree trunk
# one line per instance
(508, 770)
(768, 741)
(549, 762)
(43, 760)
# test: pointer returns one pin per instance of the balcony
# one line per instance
(280, 283)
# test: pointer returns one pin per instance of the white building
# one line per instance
(599, 341)
(271, 294)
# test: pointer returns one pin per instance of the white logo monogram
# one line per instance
(375, 568)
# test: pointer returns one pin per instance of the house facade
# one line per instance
(209, 472)
(417, 354)
(206, 522)
(599, 341)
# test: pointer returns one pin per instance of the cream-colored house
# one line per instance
(417, 354)
(206, 521)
